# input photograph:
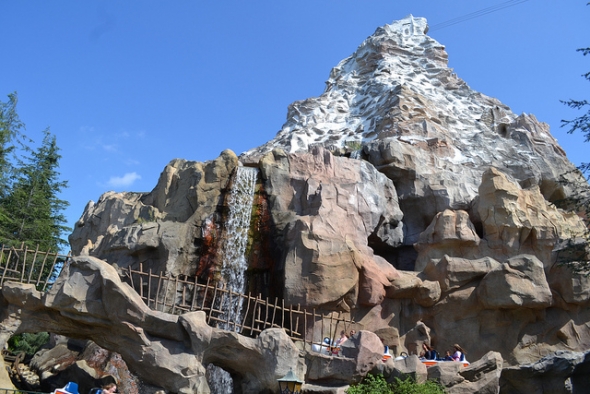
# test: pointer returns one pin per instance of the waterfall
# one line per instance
(233, 263)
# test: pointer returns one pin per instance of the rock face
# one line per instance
(89, 301)
(326, 208)
(400, 197)
(562, 372)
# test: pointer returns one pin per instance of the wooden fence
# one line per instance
(26, 265)
(183, 294)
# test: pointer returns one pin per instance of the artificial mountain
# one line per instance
(423, 210)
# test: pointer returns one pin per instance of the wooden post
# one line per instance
(272, 322)
(205, 295)
(212, 305)
(160, 280)
(141, 280)
(33, 264)
(41, 270)
(245, 313)
(149, 288)
(131, 278)
(195, 289)
(305, 328)
(174, 294)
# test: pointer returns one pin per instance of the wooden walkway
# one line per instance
(182, 294)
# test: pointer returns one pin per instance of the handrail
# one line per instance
(182, 294)
(32, 266)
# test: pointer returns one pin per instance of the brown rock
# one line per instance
(521, 221)
(328, 207)
(454, 272)
(450, 232)
(520, 282)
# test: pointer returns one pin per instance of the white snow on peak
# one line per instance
(397, 84)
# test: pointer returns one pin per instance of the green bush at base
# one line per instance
(372, 384)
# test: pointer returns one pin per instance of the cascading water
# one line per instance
(233, 251)
(234, 264)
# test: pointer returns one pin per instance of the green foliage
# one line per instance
(30, 209)
(371, 384)
(376, 384)
(575, 252)
(409, 386)
(28, 343)
(582, 122)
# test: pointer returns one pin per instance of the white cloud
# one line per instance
(123, 181)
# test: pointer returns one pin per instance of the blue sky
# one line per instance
(128, 86)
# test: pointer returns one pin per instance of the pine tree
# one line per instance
(35, 210)
(582, 122)
(10, 130)
(575, 253)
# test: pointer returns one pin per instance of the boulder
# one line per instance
(521, 221)
(159, 226)
(453, 272)
(448, 232)
(560, 372)
(90, 301)
(520, 282)
(404, 368)
(310, 196)
(360, 353)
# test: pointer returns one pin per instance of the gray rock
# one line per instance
(558, 373)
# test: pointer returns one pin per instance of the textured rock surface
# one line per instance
(90, 301)
(562, 372)
(481, 377)
(360, 354)
(422, 126)
(327, 208)
(157, 228)
(398, 166)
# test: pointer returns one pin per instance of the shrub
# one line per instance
(372, 384)
(28, 343)
(409, 386)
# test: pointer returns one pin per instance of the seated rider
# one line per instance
(429, 352)
(459, 354)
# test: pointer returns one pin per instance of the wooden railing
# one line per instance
(181, 294)
(34, 266)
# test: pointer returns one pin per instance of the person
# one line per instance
(459, 354)
(352, 332)
(109, 388)
(343, 338)
(448, 356)
(429, 352)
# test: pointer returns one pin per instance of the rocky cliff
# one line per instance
(400, 197)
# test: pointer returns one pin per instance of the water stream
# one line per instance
(234, 264)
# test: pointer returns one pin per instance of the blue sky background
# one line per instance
(127, 86)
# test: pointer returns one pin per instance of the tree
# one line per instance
(30, 208)
(10, 130)
(582, 122)
(36, 216)
(575, 252)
